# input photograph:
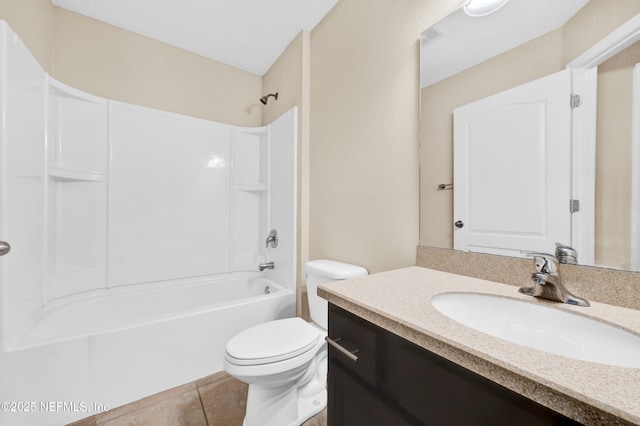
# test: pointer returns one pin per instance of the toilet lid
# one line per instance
(272, 341)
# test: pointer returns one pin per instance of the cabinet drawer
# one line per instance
(353, 344)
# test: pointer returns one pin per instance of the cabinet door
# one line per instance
(439, 392)
(358, 337)
(350, 404)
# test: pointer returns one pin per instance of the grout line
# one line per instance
(206, 419)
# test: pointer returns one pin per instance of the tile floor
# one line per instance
(217, 400)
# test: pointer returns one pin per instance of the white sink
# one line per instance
(546, 329)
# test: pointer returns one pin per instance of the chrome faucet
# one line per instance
(266, 265)
(547, 283)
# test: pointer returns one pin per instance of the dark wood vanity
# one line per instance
(387, 380)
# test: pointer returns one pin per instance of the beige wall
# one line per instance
(540, 57)
(594, 21)
(364, 131)
(117, 64)
(33, 21)
(106, 61)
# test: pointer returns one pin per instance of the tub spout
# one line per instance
(265, 265)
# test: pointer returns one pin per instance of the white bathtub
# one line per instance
(119, 345)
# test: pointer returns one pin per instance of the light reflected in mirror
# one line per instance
(461, 73)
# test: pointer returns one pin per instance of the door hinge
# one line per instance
(575, 101)
(574, 206)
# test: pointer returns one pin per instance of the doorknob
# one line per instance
(4, 248)
(459, 224)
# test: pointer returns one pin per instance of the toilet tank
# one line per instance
(323, 271)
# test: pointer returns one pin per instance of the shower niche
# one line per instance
(249, 197)
(77, 153)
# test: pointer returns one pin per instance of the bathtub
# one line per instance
(90, 352)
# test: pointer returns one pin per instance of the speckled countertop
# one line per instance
(399, 301)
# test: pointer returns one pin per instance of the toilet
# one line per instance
(285, 361)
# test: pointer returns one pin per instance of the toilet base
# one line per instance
(282, 407)
(289, 405)
(305, 410)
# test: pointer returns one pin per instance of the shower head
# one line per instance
(264, 99)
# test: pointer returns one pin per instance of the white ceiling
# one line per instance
(246, 34)
(462, 41)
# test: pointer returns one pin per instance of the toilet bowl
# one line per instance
(285, 361)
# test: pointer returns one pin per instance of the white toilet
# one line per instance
(285, 361)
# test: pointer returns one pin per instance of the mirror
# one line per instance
(476, 66)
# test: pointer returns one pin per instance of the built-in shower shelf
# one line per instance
(258, 187)
(67, 174)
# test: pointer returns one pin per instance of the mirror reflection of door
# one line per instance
(588, 37)
(512, 169)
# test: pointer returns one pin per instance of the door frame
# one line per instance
(585, 83)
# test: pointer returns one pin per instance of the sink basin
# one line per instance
(543, 328)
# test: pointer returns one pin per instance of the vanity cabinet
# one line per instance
(388, 380)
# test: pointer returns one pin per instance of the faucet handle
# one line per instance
(272, 239)
(545, 262)
(529, 253)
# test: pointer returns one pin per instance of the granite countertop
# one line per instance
(399, 301)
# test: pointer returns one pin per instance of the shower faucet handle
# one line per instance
(272, 239)
(4, 248)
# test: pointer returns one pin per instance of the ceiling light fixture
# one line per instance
(477, 8)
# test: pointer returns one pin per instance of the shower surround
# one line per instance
(136, 236)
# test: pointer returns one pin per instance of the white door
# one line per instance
(512, 169)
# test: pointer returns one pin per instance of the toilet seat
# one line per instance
(271, 342)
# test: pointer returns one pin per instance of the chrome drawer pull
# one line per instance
(350, 354)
